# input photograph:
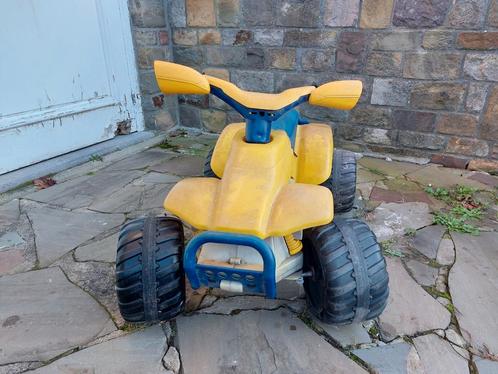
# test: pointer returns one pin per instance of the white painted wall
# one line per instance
(67, 77)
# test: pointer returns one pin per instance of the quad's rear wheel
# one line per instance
(208, 172)
(342, 180)
(349, 281)
(150, 283)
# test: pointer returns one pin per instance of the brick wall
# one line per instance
(151, 36)
(429, 67)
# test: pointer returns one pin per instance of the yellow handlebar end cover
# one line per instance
(179, 79)
(338, 95)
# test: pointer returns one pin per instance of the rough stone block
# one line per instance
(159, 120)
(420, 13)
(282, 58)
(396, 41)
(147, 13)
(414, 121)
(379, 136)
(177, 13)
(438, 39)
(467, 14)
(163, 37)
(376, 14)
(200, 101)
(384, 64)
(432, 65)
(476, 96)
(185, 37)
(392, 92)
(298, 13)
(457, 124)
(192, 56)
(148, 83)
(147, 55)
(218, 73)
(421, 140)
(254, 58)
(257, 12)
(189, 116)
(489, 126)
(349, 133)
(446, 96)
(341, 13)
(213, 120)
(310, 38)
(228, 13)
(209, 37)
(493, 14)
(200, 13)
(287, 80)
(371, 116)
(478, 40)
(483, 67)
(467, 146)
(225, 56)
(236, 37)
(351, 51)
(269, 37)
(253, 80)
(317, 60)
(145, 37)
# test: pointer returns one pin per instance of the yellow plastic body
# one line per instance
(258, 100)
(256, 195)
(314, 149)
(339, 95)
(179, 79)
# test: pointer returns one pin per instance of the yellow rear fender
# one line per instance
(338, 95)
(179, 79)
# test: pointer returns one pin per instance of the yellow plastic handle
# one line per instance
(338, 95)
(179, 79)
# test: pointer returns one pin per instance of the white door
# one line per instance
(67, 77)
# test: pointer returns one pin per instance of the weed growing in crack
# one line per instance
(464, 207)
(94, 158)
(388, 249)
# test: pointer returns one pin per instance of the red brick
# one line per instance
(478, 40)
(450, 161)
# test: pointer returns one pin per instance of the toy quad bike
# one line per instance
(266, 212)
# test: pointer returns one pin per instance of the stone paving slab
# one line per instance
(445, 177)
(103, 250)
(473, 282)
(391, 219)
(486, 366)
(427, 239)
(138, 352)
(9, 213)
(437, 356)
(410, 309)
(345, 335)
(43, 315)
(82, 191)
(256, 342)
(58, 231)
(229, 305)
(140, 161)
(390, 168)
(396, 358)
(182, 166)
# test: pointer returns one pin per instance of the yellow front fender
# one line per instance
(256, 195)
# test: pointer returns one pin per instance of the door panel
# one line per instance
(67, 77)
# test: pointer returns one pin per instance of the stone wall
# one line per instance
(151, 36)
(429, 67)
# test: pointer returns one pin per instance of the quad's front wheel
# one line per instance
(342, 180)
(150, 282)
(348, 279)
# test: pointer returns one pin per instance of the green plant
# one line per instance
(389, 250)
(410, 232)
(454, 223)
(466, 213)
(439, 192)
(95, 157)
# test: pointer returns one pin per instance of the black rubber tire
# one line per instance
(208, 172)
(150, 282)
(342, 180)
(350, 281)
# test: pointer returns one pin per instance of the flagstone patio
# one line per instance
(58, 311)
